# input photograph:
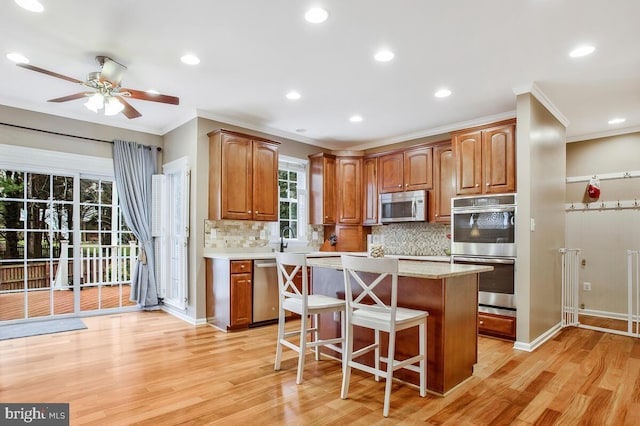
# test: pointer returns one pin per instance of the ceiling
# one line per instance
(253, 52)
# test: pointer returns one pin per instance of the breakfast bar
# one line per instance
(449, 292)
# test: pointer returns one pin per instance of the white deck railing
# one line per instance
(99, 265)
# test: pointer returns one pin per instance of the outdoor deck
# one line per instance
(12, 305)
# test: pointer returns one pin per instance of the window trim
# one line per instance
(301, 167)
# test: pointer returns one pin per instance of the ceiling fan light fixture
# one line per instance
(95, 102)
(112, 106)
(30, 5)
(18, 58)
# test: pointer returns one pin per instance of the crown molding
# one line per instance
(544, 100)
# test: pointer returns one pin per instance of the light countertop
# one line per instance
(259, 255)
(414, 268)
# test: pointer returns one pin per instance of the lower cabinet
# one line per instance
(497, 325)
(229, 293)
(241, 300)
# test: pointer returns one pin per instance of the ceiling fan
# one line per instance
(107, 92)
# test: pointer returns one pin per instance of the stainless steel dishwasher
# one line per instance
(265, 290)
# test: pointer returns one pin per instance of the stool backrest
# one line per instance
(368, 285)
(288, 265)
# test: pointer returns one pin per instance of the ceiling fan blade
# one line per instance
(145, 96)
(112, 71)
(129, 111)
(71, 97)
(51, 73)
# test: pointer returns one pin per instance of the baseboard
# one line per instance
(183, 317)
(606, 314)
(539, 341)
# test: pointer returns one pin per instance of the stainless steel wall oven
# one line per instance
(483, 232)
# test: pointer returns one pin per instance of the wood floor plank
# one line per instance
(150, 368)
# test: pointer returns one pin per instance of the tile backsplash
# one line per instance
(415, 239)
(245, 234)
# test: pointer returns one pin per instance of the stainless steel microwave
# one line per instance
(410, 206)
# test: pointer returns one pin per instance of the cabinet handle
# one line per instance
(241, 266)
(406, 184)
(326, 217)
(481, 322)
(257, 212)
(399, 185)
(249, 211)
(477, 185)
(487, 183)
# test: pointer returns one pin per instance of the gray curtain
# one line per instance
(134, 165)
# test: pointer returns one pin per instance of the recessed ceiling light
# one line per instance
(190, 59)
(18, 58)
(355, 118)
(617, 120)
(582, 51)
(316, 15)
(293, 95)
(31, 5)
(384, 56)
(442, 93)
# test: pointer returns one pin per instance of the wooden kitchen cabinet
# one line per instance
(370, 179)
(406, 171)
(229, 293)
(444, 184)
(240, 299)
(322, 194)
(349, 179)
(497, 325)
(243, 177)
(485, 159)
(390, 173)
(418, 169)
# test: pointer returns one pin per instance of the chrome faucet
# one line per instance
(284, 245)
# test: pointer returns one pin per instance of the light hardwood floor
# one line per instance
(151, 368)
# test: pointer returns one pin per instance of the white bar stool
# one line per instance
(306, 305)
(379, 316)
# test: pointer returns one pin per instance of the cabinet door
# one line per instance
(467, 149)
(370, 208)
(237, 178)
(444, 182)
(350, 238)
(240, 299)
(349, 180)
(498, 154)
(329, 191)
(390, 173)
(265, 181)
(418, 169)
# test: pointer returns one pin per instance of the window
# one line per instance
(292, 178)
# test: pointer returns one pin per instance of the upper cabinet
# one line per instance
(370, 182)
(444, 172)
(406, 171)
(349, 178)
(243, 177)
(322, 194)
(485, 160)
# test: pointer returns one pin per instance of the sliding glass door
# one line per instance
(63, 246)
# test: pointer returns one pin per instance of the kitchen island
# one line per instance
(449, 292)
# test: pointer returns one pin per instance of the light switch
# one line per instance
(314, 235)
(533, 224)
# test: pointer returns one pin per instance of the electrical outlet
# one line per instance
(213, 233)
(263, 235)
(314, 235)
(586, 286)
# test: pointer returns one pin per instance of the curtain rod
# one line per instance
(66, 134)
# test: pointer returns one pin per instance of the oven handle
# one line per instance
(484, 260)
(484, 210)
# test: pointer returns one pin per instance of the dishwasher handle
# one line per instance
(264, 265)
